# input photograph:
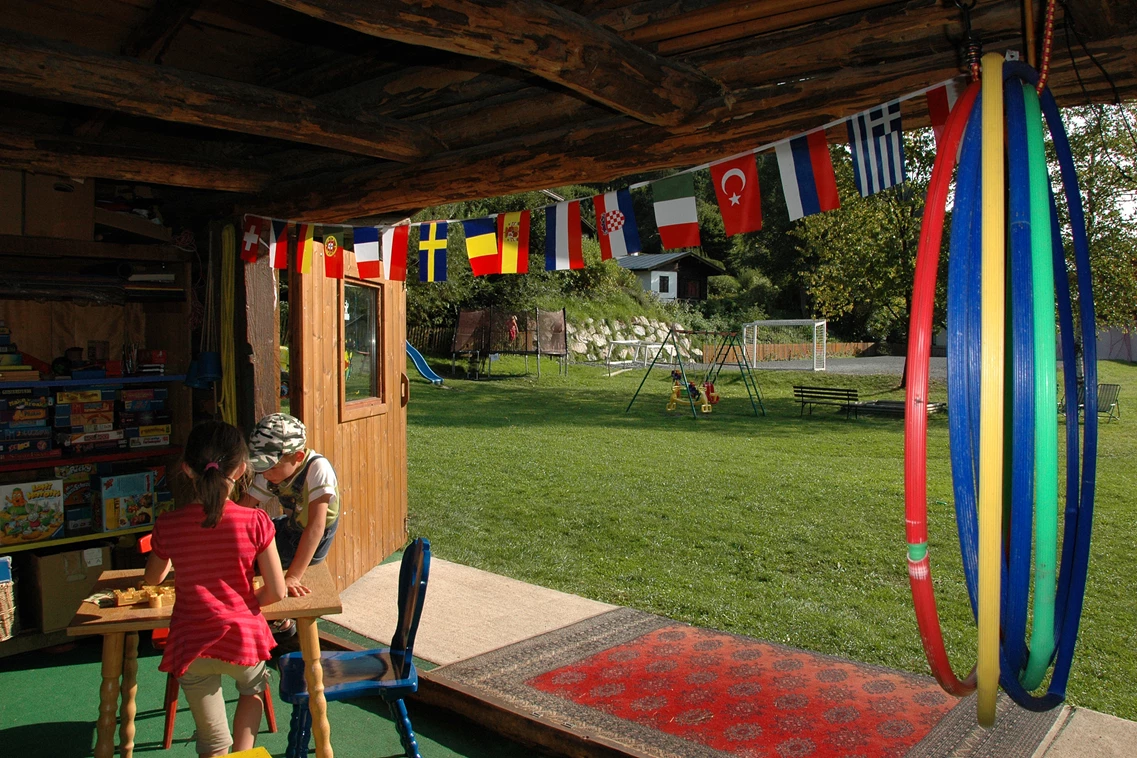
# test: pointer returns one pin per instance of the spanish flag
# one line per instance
(304, 248)
(481, 246)
(513, 242)
(333, 254)
(432, 251)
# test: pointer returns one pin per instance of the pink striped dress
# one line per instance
(216, 614)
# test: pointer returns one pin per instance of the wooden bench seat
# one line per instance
(842, 397)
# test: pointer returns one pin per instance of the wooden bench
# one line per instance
(842, 397)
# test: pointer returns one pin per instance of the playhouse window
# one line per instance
(361, 343)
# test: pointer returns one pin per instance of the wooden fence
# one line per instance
(431, 340)
(794, 351)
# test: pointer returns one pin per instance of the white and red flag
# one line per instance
(941, 100)
(616, 224)
(562, 237)
(736, 188)
(278, 244)
(675, 211)
(251, 241)
(395, 240)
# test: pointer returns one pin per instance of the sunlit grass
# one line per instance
(784, 528)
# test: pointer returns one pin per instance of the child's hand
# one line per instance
(295, 588)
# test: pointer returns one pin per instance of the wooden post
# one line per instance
(108, 694)
(314, 676)
(260, 373)
(129, 690)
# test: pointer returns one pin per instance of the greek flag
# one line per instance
(878, 151)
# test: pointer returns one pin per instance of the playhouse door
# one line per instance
(349, 387)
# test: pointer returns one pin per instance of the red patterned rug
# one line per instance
(669, 690)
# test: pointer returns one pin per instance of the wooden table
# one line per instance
(120, 627)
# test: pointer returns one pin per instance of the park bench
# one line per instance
(842, 397)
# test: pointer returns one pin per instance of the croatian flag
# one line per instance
(562, 237)
(367, 252)
(395, 240)
(616, 224)
(941, 100)
(807, 175)
(878, 150)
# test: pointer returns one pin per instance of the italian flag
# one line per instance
(675, 211)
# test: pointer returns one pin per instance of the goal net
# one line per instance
(786, 340)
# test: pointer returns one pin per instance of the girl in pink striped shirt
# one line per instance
(217, 626)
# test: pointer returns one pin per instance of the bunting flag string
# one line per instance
(499, 243)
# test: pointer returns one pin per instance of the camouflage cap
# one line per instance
(276, 435)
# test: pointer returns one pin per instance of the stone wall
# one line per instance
(588, 340)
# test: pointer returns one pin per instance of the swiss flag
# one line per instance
(736, 188)
(251, 242)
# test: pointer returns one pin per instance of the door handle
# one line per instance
(404, 390)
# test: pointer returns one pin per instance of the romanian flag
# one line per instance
(278, 244)
(367, 252)
(304, 248)
(333, 255)
(481, 246)
(513, 242)
(251, 242)
(395, 240)
(432, 252)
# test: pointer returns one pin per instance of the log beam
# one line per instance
(56, 71)
(89, 158)
(543, 39)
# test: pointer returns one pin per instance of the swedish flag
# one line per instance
(432, 252)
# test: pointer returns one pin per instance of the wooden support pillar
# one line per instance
(259, 351)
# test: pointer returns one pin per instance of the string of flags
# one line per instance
(499, 244)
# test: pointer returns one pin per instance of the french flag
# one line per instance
(807, 175)
(367, 252)
(395, 240)
(616, 224)
(562, 237)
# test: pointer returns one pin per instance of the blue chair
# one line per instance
(386, 672)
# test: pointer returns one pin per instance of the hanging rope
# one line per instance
(1047, 44)
(973, 49)
(227, 403)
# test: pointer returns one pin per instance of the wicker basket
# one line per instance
(8, 622)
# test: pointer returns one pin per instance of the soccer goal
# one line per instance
(786, 340)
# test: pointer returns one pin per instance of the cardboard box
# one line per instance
(31, 511)
(63, 580)
(78, 511)
(127, 500)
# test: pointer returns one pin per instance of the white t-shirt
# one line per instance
(321, 481)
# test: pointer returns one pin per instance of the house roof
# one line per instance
(653, 261)
(328, 110)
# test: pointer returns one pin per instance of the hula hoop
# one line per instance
(916, 416)
(991, 421)
(1020, 410)
(1045, 397)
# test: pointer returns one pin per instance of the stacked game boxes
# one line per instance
(144, 417)
(25, 428)
(85, 422)
(12, 366)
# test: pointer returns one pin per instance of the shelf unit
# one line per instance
(27, 464)
(98, 383)
(6, 549)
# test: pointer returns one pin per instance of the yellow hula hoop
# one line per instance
(992, 294)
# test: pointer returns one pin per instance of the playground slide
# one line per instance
(422, 366)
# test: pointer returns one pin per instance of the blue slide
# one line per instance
(422, 366)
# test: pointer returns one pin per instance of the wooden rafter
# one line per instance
(56, 71)
(541, 38)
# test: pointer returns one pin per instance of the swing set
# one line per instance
(728, 345)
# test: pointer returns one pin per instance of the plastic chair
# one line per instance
(386, 672)
(158, 638)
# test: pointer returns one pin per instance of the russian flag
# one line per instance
(807, 175)
(367, 252)
(562, 237)
(616, 224)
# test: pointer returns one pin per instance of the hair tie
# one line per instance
(211, 464)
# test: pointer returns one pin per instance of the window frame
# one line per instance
(352, 410)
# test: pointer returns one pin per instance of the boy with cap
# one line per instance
(305, 484)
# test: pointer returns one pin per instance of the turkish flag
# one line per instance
(736, 187)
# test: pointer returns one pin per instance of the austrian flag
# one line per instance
(675, 211)
(616, 224)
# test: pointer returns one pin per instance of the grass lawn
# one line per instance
(783, 528)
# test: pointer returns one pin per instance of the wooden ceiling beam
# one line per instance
(540, 38)
(88, 158)
(56, 71)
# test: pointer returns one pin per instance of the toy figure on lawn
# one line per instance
(678, 391)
